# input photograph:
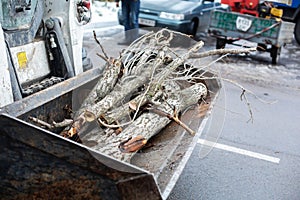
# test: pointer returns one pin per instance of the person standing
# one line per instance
(130, 15)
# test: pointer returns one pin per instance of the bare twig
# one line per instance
(41, 122)
(104, 58)
(243, 96)
(98, 42)
(221, 52)
(64, 123)
(244, 90)
(173, 117)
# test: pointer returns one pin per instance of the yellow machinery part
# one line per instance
(276, 12)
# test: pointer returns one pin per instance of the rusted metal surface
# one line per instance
(35, 162)
(142, 190)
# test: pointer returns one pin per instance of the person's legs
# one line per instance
(130, 13)
(134, 13)
(134, 18)
(126, 14)
(126, 22)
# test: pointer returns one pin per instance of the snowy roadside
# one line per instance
(104, 20)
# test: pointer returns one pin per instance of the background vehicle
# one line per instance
(252, 22)
(291, 13)
(189, 16)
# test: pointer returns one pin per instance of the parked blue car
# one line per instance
(186, 16)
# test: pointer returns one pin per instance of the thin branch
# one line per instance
(221, 52)
(41, 122)
(98, 42)
(173, 117)
(64, 123)
(243, 96)
(247, 91)
(104, 58)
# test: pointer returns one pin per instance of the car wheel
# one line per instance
(193, 27)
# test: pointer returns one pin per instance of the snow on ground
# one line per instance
(257, 68)
(104, 12)
(104, 20)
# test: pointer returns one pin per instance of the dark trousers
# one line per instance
(130, 12)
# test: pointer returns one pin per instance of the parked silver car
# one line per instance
(186, 16)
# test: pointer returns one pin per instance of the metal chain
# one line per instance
(41, 85)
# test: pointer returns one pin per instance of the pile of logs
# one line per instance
(141, 92)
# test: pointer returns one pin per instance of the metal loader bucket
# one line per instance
(39, 164)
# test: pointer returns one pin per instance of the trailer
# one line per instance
(270, 34)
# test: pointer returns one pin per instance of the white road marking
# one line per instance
(239, 151)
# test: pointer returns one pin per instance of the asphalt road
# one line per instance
(250, 160)
(275, 132)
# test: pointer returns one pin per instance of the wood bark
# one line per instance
(93, 111)
(124, 110)
(149, 124)
(221, 52)
(134, 105)
(115, 97)
(104, 85)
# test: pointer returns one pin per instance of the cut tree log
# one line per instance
(134, 105)
(124, 110)
(105, 84)
(149, 124)
(114, 98)
(91, 112)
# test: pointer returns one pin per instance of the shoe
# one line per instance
(124, 42)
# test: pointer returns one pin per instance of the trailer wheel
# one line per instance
(221, 43)
(297, 31)
(275, 52)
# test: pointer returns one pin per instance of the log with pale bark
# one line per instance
(150, 123)
(124, 111)
(93, 111)
(104, 85)
(121, 92)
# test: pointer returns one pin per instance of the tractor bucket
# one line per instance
(39, 164)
